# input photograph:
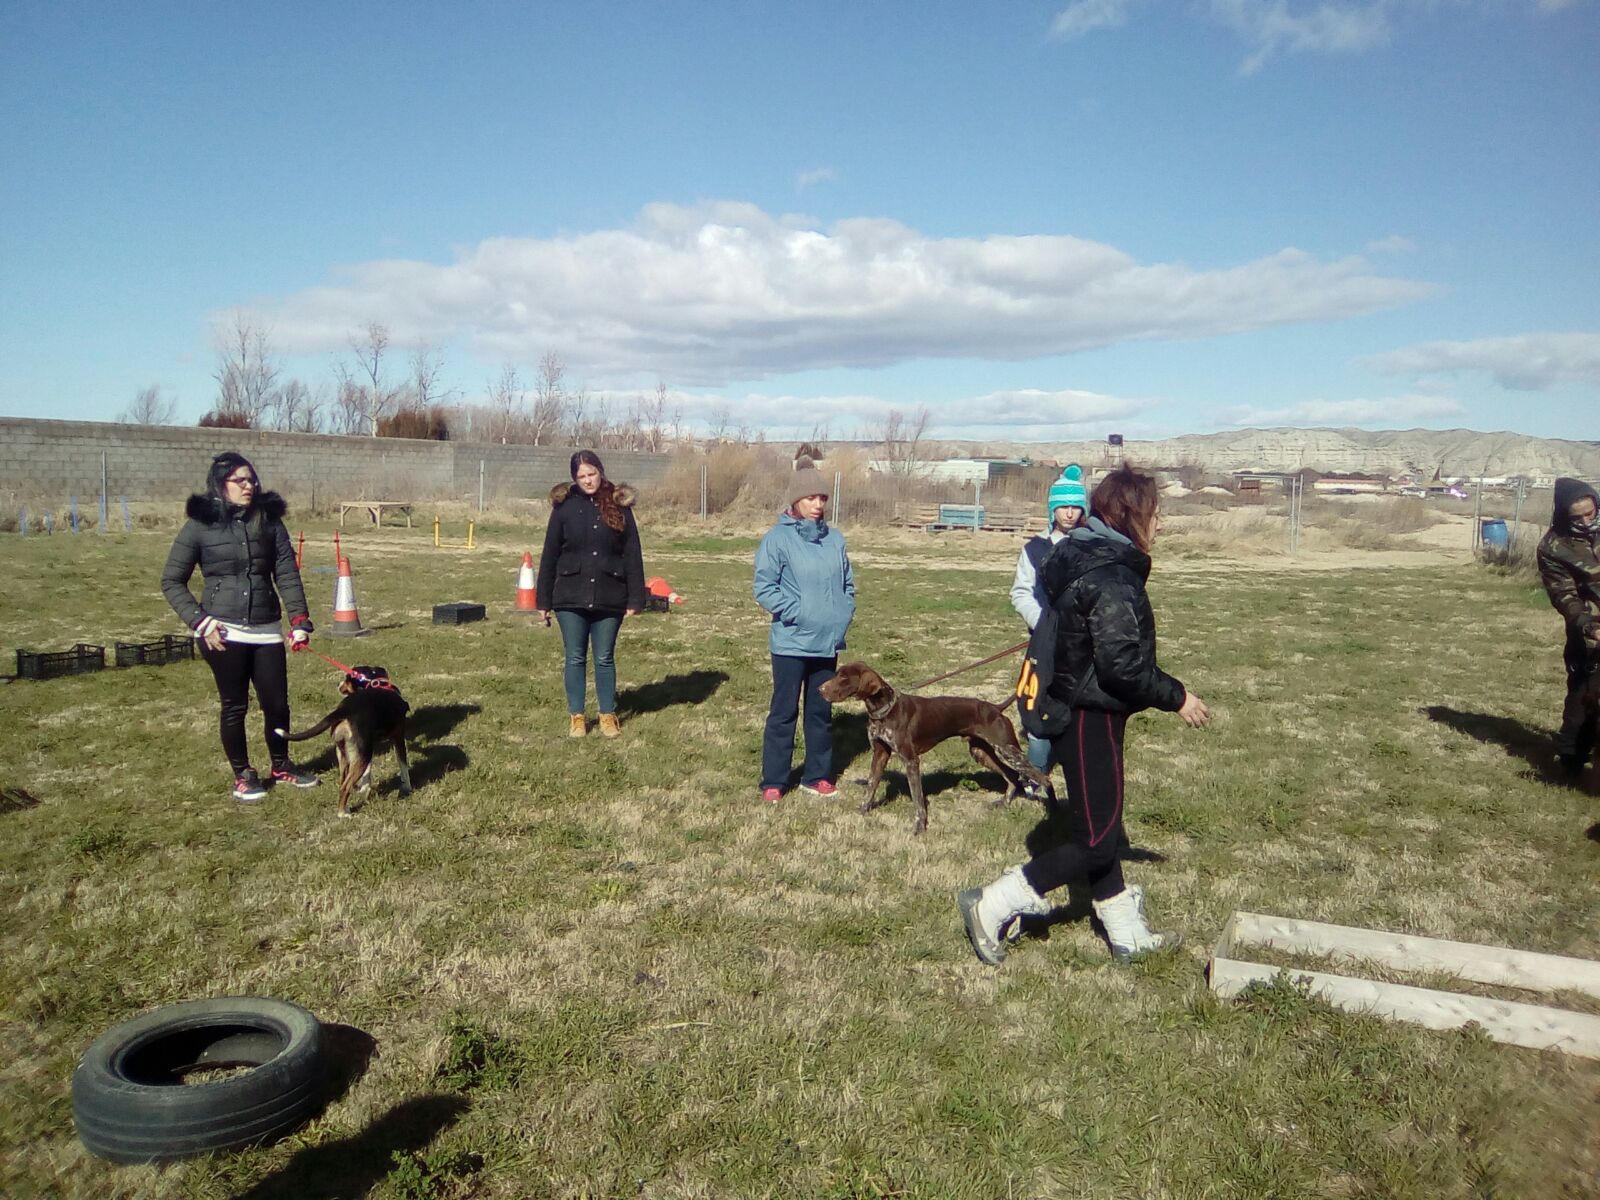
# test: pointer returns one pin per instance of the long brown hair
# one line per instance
(1126, 500)
(605, 498)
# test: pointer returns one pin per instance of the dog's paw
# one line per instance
(345, 816)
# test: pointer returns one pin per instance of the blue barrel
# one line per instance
(1492, 532)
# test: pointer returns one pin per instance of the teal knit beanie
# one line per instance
(1067, 491)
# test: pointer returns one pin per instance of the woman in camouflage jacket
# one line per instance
(1569, 565)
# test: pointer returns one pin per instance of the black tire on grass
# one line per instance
(131, 1102)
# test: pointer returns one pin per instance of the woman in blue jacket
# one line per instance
(803, 579)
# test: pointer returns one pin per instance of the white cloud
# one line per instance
(1531, 362)
(1024, 414)
(719, 292)
(1085, 16)
(1387, 412)
(1272, 27)
(814, 176)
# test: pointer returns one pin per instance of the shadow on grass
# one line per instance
(696, 687)
(351, 1167)
(1533, 746)
(15, 799)
(429, 764)
(434, 721)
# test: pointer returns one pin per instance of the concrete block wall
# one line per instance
(55, 459)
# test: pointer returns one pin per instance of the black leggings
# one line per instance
(236, 666)
(1090, 753)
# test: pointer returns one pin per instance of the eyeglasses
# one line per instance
(243, 481)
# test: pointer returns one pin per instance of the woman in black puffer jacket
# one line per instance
(591, 574)
(235, 534)
(1105, 668)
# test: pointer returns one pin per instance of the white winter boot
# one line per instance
(1123, 918)
(988, 912)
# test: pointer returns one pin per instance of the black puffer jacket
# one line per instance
(1569, 564)
(245, 560)
(1106, 640)
(586, 564)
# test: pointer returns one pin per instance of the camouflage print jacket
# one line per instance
(1569, 564)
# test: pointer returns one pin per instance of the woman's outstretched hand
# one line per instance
(1194, 712)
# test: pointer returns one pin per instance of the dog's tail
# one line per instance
(322, 726)
(1007, 702)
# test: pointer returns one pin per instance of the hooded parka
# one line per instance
(246, 562)
(1106, 634)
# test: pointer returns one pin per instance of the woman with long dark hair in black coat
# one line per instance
(1105, 669)
(236, 536)
(591, 574)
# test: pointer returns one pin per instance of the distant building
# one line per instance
(1350, 485)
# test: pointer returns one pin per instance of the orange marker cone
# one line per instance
(346, 620)
(527, 598)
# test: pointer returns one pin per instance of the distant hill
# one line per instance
(1453, 452)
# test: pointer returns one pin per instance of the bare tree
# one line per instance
(347, 415)
(247, 371)
(365, 389)
(150, 407)
(427, 363)
(652, 415)
(549, 399)
(677, 418)
(902, 438)
(717, 426)
(295, 409)
(577, 417)
(505, 400)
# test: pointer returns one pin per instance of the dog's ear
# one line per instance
(868, 683)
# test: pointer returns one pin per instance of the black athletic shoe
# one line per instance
(292, 775)
(247, 788)
(1571, 765)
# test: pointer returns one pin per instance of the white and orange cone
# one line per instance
(346, 620)
(527, 598)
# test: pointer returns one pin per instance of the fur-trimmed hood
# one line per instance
(212, 510)
(625, 495)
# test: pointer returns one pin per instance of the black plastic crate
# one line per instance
(49, 664)
(458, 613)
(168, 648)
(657, 604)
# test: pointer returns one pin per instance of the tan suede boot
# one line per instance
(577, 726)
(609, 725)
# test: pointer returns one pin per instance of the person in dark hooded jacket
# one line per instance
(1105, 668)
(235, 535)
(1569, 565)
(591, 574)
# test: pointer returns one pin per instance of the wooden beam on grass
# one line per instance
(1531, 1025)
(1481, 964)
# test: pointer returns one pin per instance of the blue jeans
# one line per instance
(792, 676)
(578, 630)
(1038, 751)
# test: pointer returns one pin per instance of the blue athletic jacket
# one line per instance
(803, 579)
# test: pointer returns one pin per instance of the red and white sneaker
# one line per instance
(822, 787)
(294, 777)
(247, 787)
(770, 795)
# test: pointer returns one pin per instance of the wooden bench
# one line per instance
(375, 509)
(935, 518)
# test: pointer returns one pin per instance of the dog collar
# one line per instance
(880, 714)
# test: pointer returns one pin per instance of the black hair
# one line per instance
(589, 458)
(224, 465)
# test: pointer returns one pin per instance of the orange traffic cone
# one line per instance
(346, 620)
(527, 598)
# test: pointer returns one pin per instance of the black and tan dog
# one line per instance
(372, 709)
(910, 726)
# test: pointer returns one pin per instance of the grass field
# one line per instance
(595, 968)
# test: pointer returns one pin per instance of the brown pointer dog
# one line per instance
(372, 709)
(910, 726)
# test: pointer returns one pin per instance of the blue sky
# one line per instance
(1038, 220)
